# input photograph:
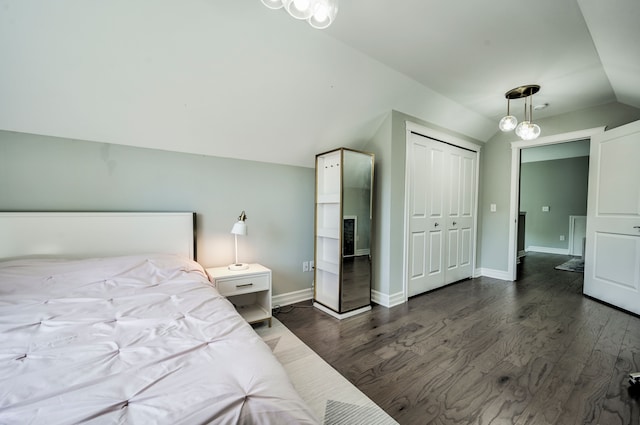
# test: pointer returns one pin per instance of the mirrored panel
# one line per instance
(357, 185)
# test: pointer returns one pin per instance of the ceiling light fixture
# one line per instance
(318, 13)
(526, 130)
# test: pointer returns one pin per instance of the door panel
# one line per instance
(614, 253)
(419, 245)
(453, 252)
(612, 258)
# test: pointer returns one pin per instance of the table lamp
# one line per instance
(239, 228)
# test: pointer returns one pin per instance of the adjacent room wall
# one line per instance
(41, 173)
(495, 175)
(562, 186)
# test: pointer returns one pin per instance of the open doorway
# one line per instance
(552, 213)
(516, 151)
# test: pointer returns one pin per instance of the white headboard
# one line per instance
(88, 234)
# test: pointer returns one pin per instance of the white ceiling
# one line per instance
(582, 53)
(235, 79)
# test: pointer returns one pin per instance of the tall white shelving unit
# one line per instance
(328, 228)
(344, 179)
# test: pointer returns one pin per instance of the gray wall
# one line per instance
(495, 175)
(560, 184)
(380, 146)
(41, 173)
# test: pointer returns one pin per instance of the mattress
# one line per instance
(136, 339)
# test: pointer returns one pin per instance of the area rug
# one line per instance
(334, 400)
(573, 265)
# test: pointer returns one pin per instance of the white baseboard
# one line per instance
(548, 250)
(496, 274)
(341, 315)
(387, 300)
(292, 297)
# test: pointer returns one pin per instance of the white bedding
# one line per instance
(136, 340)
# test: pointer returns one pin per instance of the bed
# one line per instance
(128, 331)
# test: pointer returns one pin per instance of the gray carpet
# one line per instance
(334, 400)
(573, 265)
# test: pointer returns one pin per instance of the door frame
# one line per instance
(516, 147)
(411, 127)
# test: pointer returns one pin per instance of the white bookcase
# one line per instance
(332, 294)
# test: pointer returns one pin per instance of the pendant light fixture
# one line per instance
(526, 129)
(318, 13)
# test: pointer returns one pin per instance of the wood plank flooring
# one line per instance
(485, 351)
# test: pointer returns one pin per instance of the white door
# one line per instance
(460, 208)
(612, 260)
(441, 191)
(426, 214)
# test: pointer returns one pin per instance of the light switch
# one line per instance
(493, 208)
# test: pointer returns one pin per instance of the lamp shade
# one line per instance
(239, 228)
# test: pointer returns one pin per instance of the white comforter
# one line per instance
(134, 340)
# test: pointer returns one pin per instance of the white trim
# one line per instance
(388, 300)
(361, 252)
(516, 146)
(440, 136)
(341, 315)
(548, 250)
(292, 297)
(496, 274)
(412, 127)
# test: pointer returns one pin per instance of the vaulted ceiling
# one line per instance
(235, 79)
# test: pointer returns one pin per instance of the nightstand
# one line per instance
(248, 290)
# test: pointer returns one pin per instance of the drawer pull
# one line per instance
(244, 285)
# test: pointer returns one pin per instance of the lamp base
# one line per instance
(238, 266)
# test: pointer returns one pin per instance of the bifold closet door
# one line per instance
(460, 198)
(442, 192)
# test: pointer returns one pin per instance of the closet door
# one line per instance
(426, 214)
(441, 192)
(460, 213)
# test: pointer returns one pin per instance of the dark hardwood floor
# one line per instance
(485, 351)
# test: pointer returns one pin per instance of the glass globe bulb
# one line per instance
(324, 12)
(534, 132)
(273, 4)
(508, 123)
(299, 9)
(522, 129)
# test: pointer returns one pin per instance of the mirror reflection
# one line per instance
(356, 230)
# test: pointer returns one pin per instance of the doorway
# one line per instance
(553, 199)
(516, 153)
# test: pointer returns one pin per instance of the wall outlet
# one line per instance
(493, 207)
(305, 266)
(545, 208)
(561, 237)
(312, 265)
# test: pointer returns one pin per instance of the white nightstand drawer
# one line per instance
(243, 285)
